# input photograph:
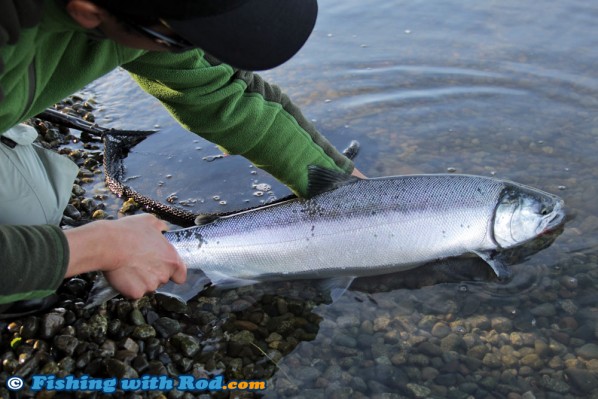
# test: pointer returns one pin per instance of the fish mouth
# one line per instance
(556, 217)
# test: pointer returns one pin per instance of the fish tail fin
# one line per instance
(101, 292)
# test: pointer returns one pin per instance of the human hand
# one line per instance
(132, 252)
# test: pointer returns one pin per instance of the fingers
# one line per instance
(146, 259)
(180, 274)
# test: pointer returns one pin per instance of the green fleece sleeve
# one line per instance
(240, 112)
(34, 261)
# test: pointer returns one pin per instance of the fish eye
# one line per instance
(544, 211)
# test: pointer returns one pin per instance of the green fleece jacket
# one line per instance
(45, 56)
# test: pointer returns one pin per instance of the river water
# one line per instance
(505, 88)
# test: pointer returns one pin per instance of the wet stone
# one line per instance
(381, 323)
(188, 345)
(481, 322)
(569, 306)
(441, 330)
(246, 325)
(429, 349)
(171, 304)
(345, 340)
(130, 345)
(584, 380)
(119, 369)
(418, 360)
(553, 384)
(66, 343)
(98, 325)
(129, 206)
(99, 214)
(544, 310)
(452, 342)
(51, 324)
(348, 321)
(144, 332)
(588, 351)
(72, 212)
(167, 327)
(136, 317)
(29, 328)
(419, 391)
(502, 324)
(533, 361)
(492, 360)
(307, 374)
(243, 337)
(108, 348)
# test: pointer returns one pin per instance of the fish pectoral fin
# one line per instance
(502, 271)
(336, 285)
(320, 180)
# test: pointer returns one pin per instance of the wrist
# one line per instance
(92, 247)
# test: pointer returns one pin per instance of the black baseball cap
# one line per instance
(247, 34)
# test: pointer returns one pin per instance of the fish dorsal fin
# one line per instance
(320, 180)
(205, 218)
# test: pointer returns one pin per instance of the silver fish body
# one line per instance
(353, 227)
(367, 227)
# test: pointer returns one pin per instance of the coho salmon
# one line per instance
(355, 227)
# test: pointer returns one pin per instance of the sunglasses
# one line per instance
(173, 43)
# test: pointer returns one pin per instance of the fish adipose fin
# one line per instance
(320, 180)
(501, 270)
(337, 286)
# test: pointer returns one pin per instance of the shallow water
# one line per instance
(497, 88)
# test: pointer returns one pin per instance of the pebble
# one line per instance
(144, 332)
(554, 384)
(171, 304)
(187, 344)
(99, 214)
(167, 327)
(429, 349)
(98, 324)
(452, 342)
(544, 310)
(441, 330)
(533, 361)
(51, 324)
(381, 323)
(419, 391)
(492, 360)
(66, 343)
(136, 317)
(502, 324)
(584, 380)
(588, 351)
